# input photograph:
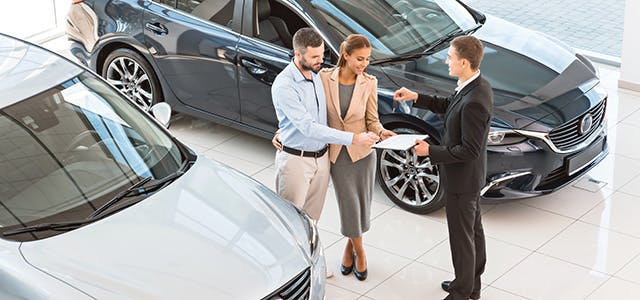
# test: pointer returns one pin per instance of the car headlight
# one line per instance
(499, 136)
(312, 234)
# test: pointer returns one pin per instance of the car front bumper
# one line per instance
(533, 168)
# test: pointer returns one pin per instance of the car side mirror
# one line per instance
(162, 112)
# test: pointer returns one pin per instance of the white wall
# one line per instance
(34, 20)
(630, 69)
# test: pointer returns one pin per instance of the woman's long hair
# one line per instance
(351, 43)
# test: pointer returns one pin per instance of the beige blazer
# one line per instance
(362, 115)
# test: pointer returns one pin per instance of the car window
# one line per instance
(69, 149)
(396, 27)
(217, 11)
(275, 23)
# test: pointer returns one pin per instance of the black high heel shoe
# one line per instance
(360, 275)
(346, 270)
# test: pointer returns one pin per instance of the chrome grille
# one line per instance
(568, 135)
(297, 288)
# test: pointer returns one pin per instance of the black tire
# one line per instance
(401, 173)
(130, 73)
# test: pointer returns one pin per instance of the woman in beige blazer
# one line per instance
(352, 105)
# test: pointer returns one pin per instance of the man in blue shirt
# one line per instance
(302, 167)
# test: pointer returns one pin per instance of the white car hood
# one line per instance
(208, 235)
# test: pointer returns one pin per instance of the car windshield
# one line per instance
(68, 150)
(396, 27)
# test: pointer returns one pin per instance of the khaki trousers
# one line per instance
(303, 181)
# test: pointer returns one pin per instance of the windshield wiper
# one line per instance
(428, 50)
(65, 226)
(139, 188)
(126, 193)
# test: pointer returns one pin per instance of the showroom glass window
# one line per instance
(217, 11)
(71, 148)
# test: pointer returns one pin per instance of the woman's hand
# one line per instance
(385, 134)
(276, 141)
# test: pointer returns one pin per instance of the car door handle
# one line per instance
(157, 28)
(252, 67)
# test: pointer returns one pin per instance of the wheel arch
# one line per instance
(115, 42)
(114, 45)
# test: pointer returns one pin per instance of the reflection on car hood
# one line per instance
(549, 75)
(208, 235)
(532, 76)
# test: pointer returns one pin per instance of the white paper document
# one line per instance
(400, 141)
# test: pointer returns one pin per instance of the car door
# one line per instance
(194, 45)
(259, 62)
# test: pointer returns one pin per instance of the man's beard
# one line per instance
(307, 67)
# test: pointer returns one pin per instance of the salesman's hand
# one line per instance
(385, 134)
(366, 139)
(276, 141)
(421, 148)
(405, 94)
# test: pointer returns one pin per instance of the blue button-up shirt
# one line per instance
(301, 107)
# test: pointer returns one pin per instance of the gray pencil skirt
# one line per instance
(353, 183)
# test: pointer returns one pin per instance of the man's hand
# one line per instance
(366, 139)
(276, 141)
(405, 94)
(421, 148)
(385, 134)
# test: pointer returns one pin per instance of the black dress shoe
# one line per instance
(446, 286)
(346, 270)
(360, 275)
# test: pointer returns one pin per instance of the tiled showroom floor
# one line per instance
(582, 242)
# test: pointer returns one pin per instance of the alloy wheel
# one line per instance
(131, 79)
(413, 180)
(410, 181)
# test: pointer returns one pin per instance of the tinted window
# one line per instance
(69, 149)
(217, 11)
(395, 27)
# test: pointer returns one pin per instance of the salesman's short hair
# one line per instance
(469, 48)
(306, 37)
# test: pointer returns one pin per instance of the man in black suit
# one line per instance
(462, 158)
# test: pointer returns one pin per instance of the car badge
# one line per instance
(585, 124)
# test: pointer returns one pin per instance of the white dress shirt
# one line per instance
(461, 85)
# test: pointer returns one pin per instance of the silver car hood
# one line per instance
(209, 235)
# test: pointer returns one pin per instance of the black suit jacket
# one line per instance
(462, 156)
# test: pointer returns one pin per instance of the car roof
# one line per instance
(27, 69)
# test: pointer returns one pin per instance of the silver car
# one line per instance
(98, 200)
